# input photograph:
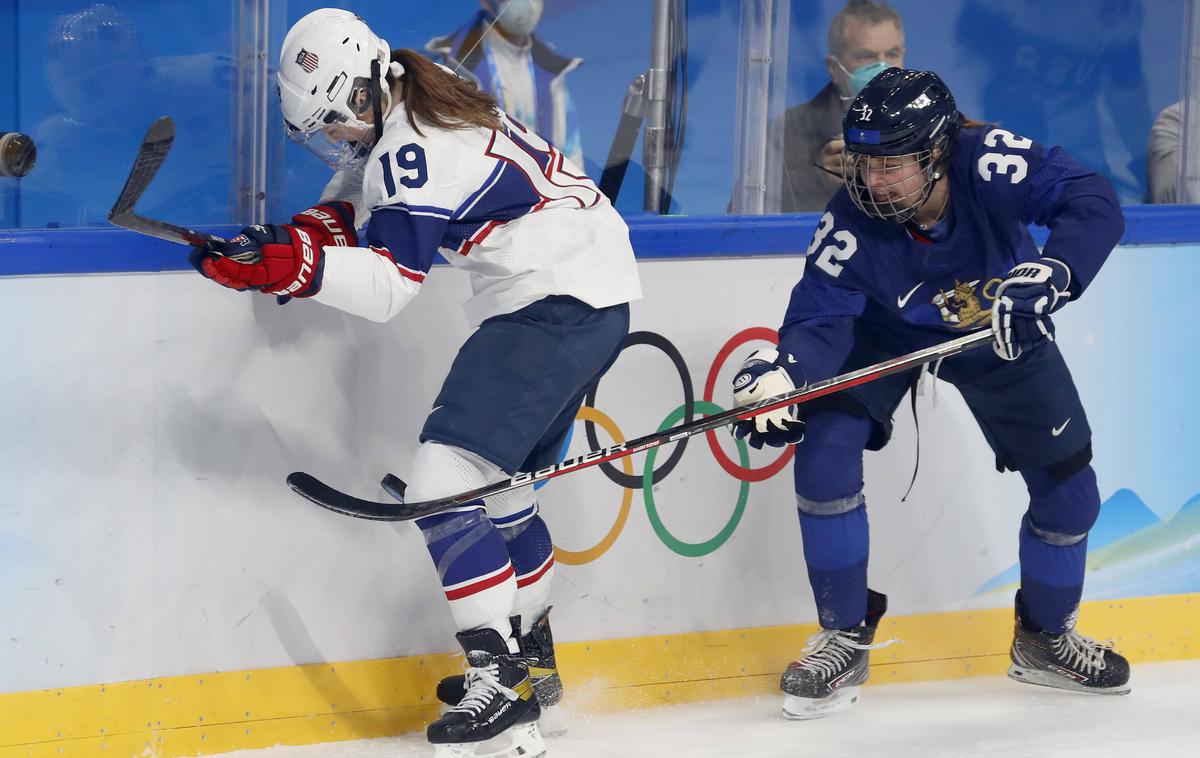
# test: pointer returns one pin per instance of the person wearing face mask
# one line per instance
(865, 37)
(526, 74)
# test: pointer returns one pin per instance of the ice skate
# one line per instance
(1067, 661)
(537, 647)
(497, 714)
(833, 666)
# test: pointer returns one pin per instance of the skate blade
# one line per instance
(520, 741)
(553, 722)
(1059, 682)
(805, 708)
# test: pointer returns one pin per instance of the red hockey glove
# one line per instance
(290, 256)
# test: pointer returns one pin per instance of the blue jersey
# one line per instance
(920, 291)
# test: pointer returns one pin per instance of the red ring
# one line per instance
(733, 469)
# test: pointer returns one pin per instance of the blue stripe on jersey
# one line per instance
(508, 194)
(469, 203)
(543, 159)
(424, 210)
(412, 234)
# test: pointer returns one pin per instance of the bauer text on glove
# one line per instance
(291, 261)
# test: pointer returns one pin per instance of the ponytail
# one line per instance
(442, 99)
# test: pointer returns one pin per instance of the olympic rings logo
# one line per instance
(629, 481)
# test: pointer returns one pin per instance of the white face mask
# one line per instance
(517, 17)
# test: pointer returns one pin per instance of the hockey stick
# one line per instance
(150, 157)
(325, 496)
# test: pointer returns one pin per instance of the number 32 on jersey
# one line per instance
(841, 246)
(1015, 167)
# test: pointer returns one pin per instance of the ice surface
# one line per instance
(985, 716)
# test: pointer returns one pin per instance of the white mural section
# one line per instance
(147, 423)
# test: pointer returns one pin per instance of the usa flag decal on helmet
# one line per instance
(308, 61)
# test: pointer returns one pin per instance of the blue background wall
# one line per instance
(88, 102)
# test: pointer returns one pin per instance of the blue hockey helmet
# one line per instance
(900, 118)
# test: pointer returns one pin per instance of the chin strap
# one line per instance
(376, 100)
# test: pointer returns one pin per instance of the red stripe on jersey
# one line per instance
(483, 584)
(918, 236)
(562, 161)
(478, 236)
(528, 579)
(407, 273)
(384, 252)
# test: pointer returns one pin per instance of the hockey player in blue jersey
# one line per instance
(430, 165)
(928, 238)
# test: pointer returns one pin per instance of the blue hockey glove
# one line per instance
(1026, 297)
(762, 376)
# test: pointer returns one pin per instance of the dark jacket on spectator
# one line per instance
(806, 129)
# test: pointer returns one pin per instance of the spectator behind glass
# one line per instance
(865, 38)
(1070, 74)
(525, 74)
(108, 90)
(1162, 156)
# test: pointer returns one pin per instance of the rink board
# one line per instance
(148, 541)
(221, 712)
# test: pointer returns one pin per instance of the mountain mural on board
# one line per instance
(1131, 552)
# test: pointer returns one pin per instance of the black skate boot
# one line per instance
(1068, 661)
(537, 647)
(827, 677)
(497, 715)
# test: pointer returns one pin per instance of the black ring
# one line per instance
(635, 481)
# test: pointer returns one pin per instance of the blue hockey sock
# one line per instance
(836, 548)
(532, 554)
(1051, 580)
(1054, 546)
(473, 565)
(529, 545)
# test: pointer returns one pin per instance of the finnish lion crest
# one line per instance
(962, 307)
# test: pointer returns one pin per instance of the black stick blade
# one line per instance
(312, 488)
(150, 157)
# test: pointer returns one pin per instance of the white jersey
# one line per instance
(504, 205)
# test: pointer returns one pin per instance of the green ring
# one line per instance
(693, 549)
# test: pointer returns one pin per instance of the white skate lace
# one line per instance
(1083, 653)
(829, 650)
(481, 683)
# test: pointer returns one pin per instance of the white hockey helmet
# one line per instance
(332, 71)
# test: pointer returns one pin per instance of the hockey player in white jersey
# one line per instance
(444, 171)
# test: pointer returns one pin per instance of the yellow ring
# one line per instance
(578, 558)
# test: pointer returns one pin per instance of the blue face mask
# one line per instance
(862, 75)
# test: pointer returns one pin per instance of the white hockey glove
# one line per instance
(1025, 299)
(763, 376)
